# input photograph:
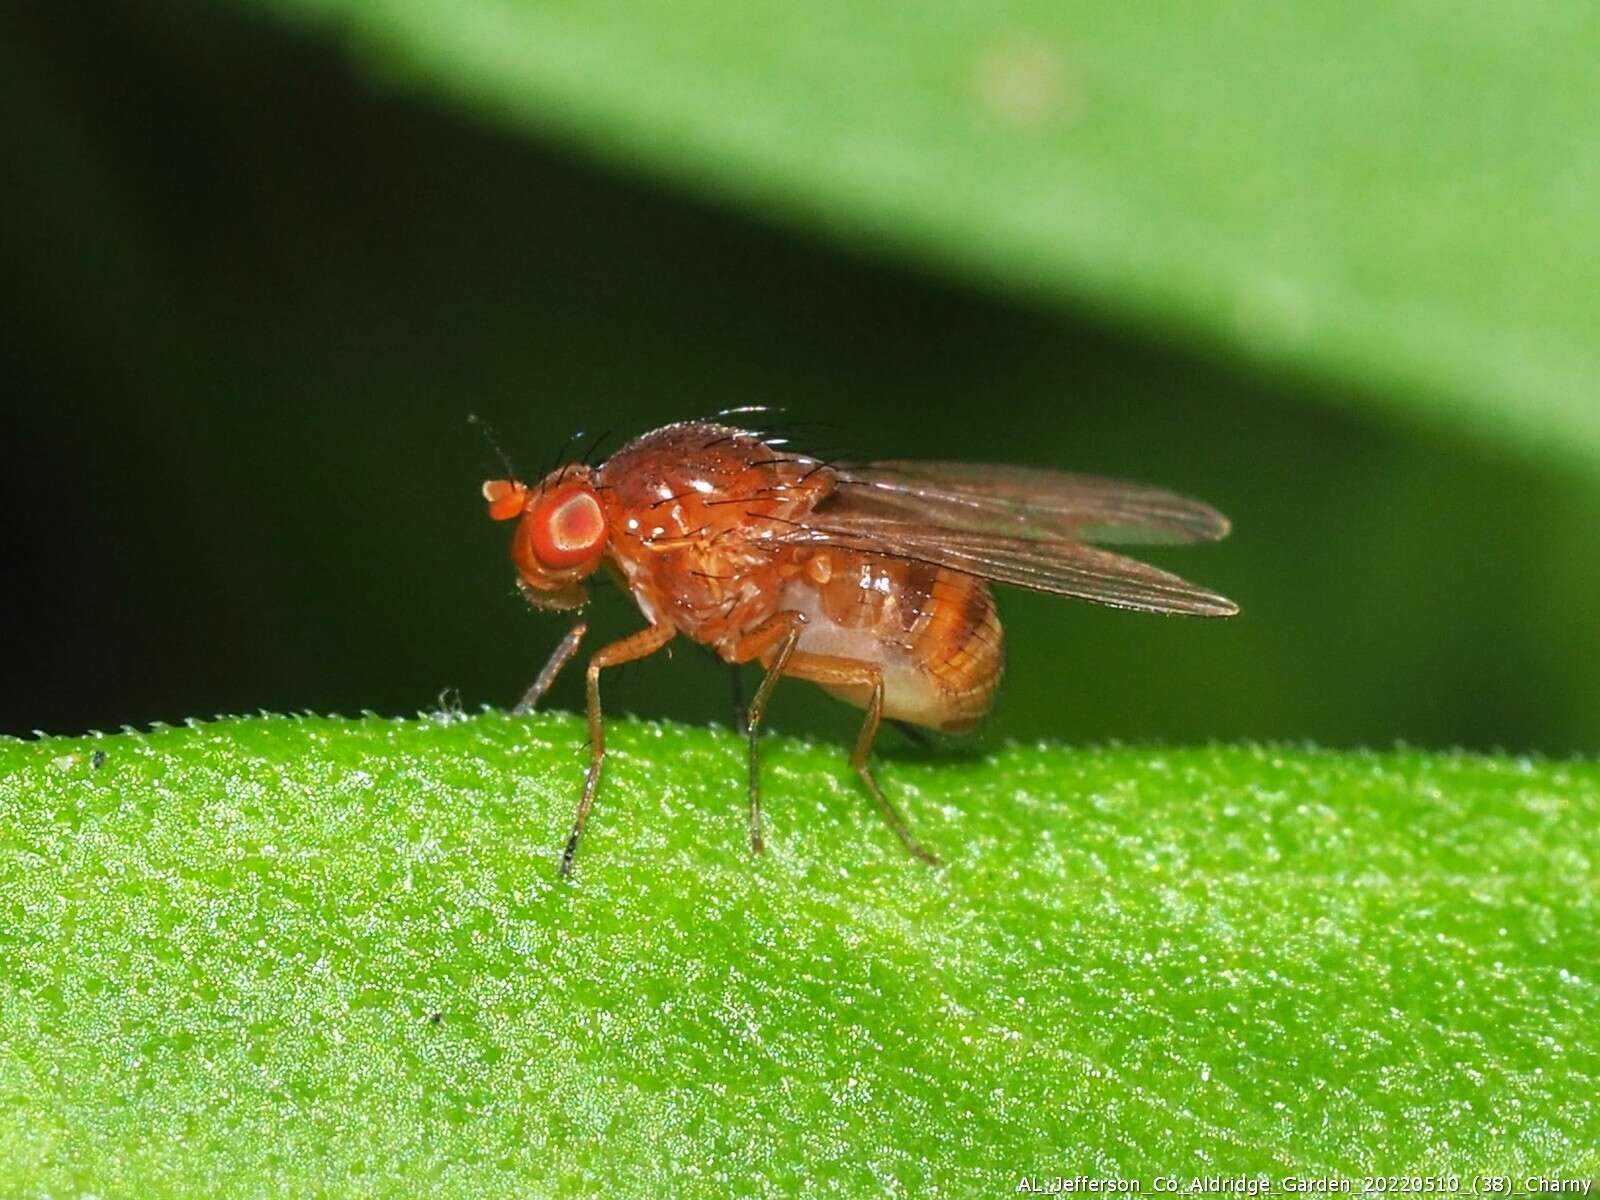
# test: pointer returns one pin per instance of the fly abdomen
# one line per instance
(932, 632)
(961, 646)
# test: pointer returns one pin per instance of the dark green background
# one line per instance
(250, 293)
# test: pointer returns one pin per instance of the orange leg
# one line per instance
(559, 658)
(837, 671)
(773, 642)
(639, 645)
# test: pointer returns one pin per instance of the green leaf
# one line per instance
(307, 956)
(1396, 195)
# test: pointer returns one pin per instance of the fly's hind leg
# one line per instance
(853, 672)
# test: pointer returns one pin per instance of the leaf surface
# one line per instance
(278, 955)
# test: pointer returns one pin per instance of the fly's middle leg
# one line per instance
(773, 642)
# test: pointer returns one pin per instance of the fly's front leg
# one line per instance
(639, 645)
(773, 642)
(559, 658)
(853, 672)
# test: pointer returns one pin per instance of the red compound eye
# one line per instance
(568, 526)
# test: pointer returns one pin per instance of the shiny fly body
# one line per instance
(868, 579)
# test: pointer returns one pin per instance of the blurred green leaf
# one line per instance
(311, 956)
(1399, 196)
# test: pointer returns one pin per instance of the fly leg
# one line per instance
(773, 642)
(854, 672)
(559, 658)
(638, 645)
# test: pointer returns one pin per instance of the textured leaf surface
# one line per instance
(287, 955)
(1393, 193)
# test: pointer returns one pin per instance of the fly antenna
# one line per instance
(494, 443)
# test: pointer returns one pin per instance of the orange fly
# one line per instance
(868, 579)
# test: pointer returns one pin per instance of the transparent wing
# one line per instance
(1061, 567)
(1027, 503)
